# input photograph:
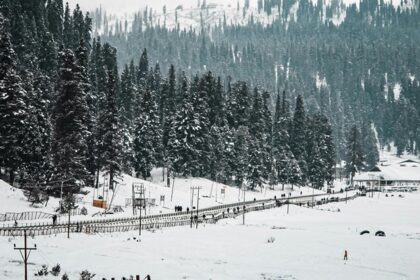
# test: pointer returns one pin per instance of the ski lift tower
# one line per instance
(139, 201)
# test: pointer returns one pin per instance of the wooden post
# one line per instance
(198, 200)
(68, 227)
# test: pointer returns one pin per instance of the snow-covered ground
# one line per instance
(308, 244)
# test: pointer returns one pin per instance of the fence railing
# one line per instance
(150, 222)
(24, 216)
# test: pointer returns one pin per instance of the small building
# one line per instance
(397, 176)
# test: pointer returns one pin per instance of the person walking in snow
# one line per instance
(345, 255)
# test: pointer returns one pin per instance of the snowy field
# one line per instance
(308, 244)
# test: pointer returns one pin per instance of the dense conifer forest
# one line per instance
(364, 70)
(71, 106)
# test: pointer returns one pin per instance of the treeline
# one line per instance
(357, 72)
(198, 127)
(67, 114)
(45, 50)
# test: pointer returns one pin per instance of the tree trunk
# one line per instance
(12, 177)
(97, 179)
(111, 179)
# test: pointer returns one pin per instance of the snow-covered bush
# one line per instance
(43, 271)
(84, 211)
(271, 240)
(55, 271)
(65, 277)
(86, 275)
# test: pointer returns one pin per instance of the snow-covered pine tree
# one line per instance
(68, 28)
(14, 108)
(82, 60)
(147, 135)
(70, 130)
(217, 158)
(169, 103)
(55, 14)
(354, 156)
(239, 102)
(188, 140)
(369, 145)
(239, 161)
(284, 161)
(326, 147)
(179, 148)
(298, 136)
(315, 162)
(259, 152)
(143, 69)
(111, 142)
(39, 167)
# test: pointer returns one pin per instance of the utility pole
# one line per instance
(142, 205)
(313, 195)
(191, 210)
(26, 252)
(173, 184)
(61, 197)
(68, 226)
(243, 216)
(198, 202)
(346, 194)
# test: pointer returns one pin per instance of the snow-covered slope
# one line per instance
(11, 199)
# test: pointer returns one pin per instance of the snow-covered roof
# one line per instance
(403, 171)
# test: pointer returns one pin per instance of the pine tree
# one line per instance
(285, 165)
(259, 149)
(39, 167)
(238, 105)
(219, 144)
(55, 15)
(354, 157)
(143, 68)
(14, 108)
(168, 108)
(326, 147)
(239, 161)
(369, 145)
(147, 136)
(298, 141)
(48, 55)
(82, 59)
(111, 142)
(188, 139)
(315, 172)
(181, 138)
(68, 28)
(316, 164)
(70, 130)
